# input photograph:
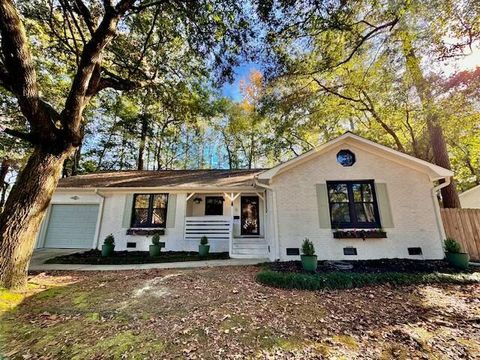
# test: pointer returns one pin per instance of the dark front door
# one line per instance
(250, 215)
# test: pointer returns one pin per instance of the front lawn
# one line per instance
(222, 313)
(94, 257)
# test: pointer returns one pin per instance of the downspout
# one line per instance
(275, 218)
(438, 215)
(100, 218)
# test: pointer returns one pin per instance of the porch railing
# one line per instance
(214, 227)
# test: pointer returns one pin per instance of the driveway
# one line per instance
(42, 255)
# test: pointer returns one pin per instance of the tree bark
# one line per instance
(24, 211)
(4, 168)
(437, 140)
(143, 139)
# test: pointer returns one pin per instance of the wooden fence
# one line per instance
(464, 226)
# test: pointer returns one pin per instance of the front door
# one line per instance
(250, 215)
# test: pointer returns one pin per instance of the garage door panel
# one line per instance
(71, 226)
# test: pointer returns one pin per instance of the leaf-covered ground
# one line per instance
(223, 313)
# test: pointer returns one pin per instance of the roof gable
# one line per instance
(435, 172)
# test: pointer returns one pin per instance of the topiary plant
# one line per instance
(109, 240)
(203, 240)
(308, 248)
(156, 239)
(452, 246)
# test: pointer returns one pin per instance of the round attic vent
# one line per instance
(346, 158)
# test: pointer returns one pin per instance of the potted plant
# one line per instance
(204, 247)
(454, 254)
(309, 259)
(156, 246)
(108, 245)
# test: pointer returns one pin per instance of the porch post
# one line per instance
(230, 250)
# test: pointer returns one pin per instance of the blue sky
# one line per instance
(233, 90)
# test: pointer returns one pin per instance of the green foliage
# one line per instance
(156, 239)
(452, 246)
(308, 248)
(204, 240)
(344, 280)
(109, 240)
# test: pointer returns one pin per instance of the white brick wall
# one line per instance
(410, 199)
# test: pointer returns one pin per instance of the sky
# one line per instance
(241, 72)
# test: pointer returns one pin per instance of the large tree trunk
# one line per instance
(24, 211)
(143, 139)
(437, 140)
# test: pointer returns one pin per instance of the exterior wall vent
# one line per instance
(350, 251)
(415, 251)
(293, 251)
(131, 245)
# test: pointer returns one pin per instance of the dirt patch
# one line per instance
(224, 314)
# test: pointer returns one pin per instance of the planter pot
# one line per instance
(154, 250)
(203, 250)
(107, 249)
(459, 260)
(309, 262)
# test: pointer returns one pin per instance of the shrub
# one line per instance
(452, 246)
(203, 240)
(344, 280)
(109, 240)
(308, 248)
(156, 239)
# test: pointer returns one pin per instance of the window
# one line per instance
(346, 158)
(214, 205)
(353, 204)
(149, 210)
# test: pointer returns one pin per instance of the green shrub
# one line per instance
(452, 246)
(156, 239)
(344, 280)
(308, 248)
(109, 240)
(203, 240)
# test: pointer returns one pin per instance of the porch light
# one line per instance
(197, 200)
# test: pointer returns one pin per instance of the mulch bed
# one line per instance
(94, 257)
(373, 266)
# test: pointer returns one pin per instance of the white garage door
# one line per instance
(71, 226)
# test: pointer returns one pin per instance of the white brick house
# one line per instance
(353, 198)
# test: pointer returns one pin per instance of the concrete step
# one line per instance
(250, 246)
(255, 253)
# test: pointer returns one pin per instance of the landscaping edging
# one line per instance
(348, 280)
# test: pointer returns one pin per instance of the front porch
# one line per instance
(235, 221)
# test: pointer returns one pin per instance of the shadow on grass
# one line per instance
(213, 313)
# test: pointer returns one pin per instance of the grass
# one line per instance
(213, 313)
(347, 280)
(94, 257)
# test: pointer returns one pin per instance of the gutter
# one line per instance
(276, 239)
(99, 219)
(438, 215)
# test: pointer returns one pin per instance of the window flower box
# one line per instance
(145, 232)
(359, 234)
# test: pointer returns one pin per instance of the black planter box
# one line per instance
(145, 232)
(360, 235)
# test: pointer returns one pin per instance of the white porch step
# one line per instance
(249, 248)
